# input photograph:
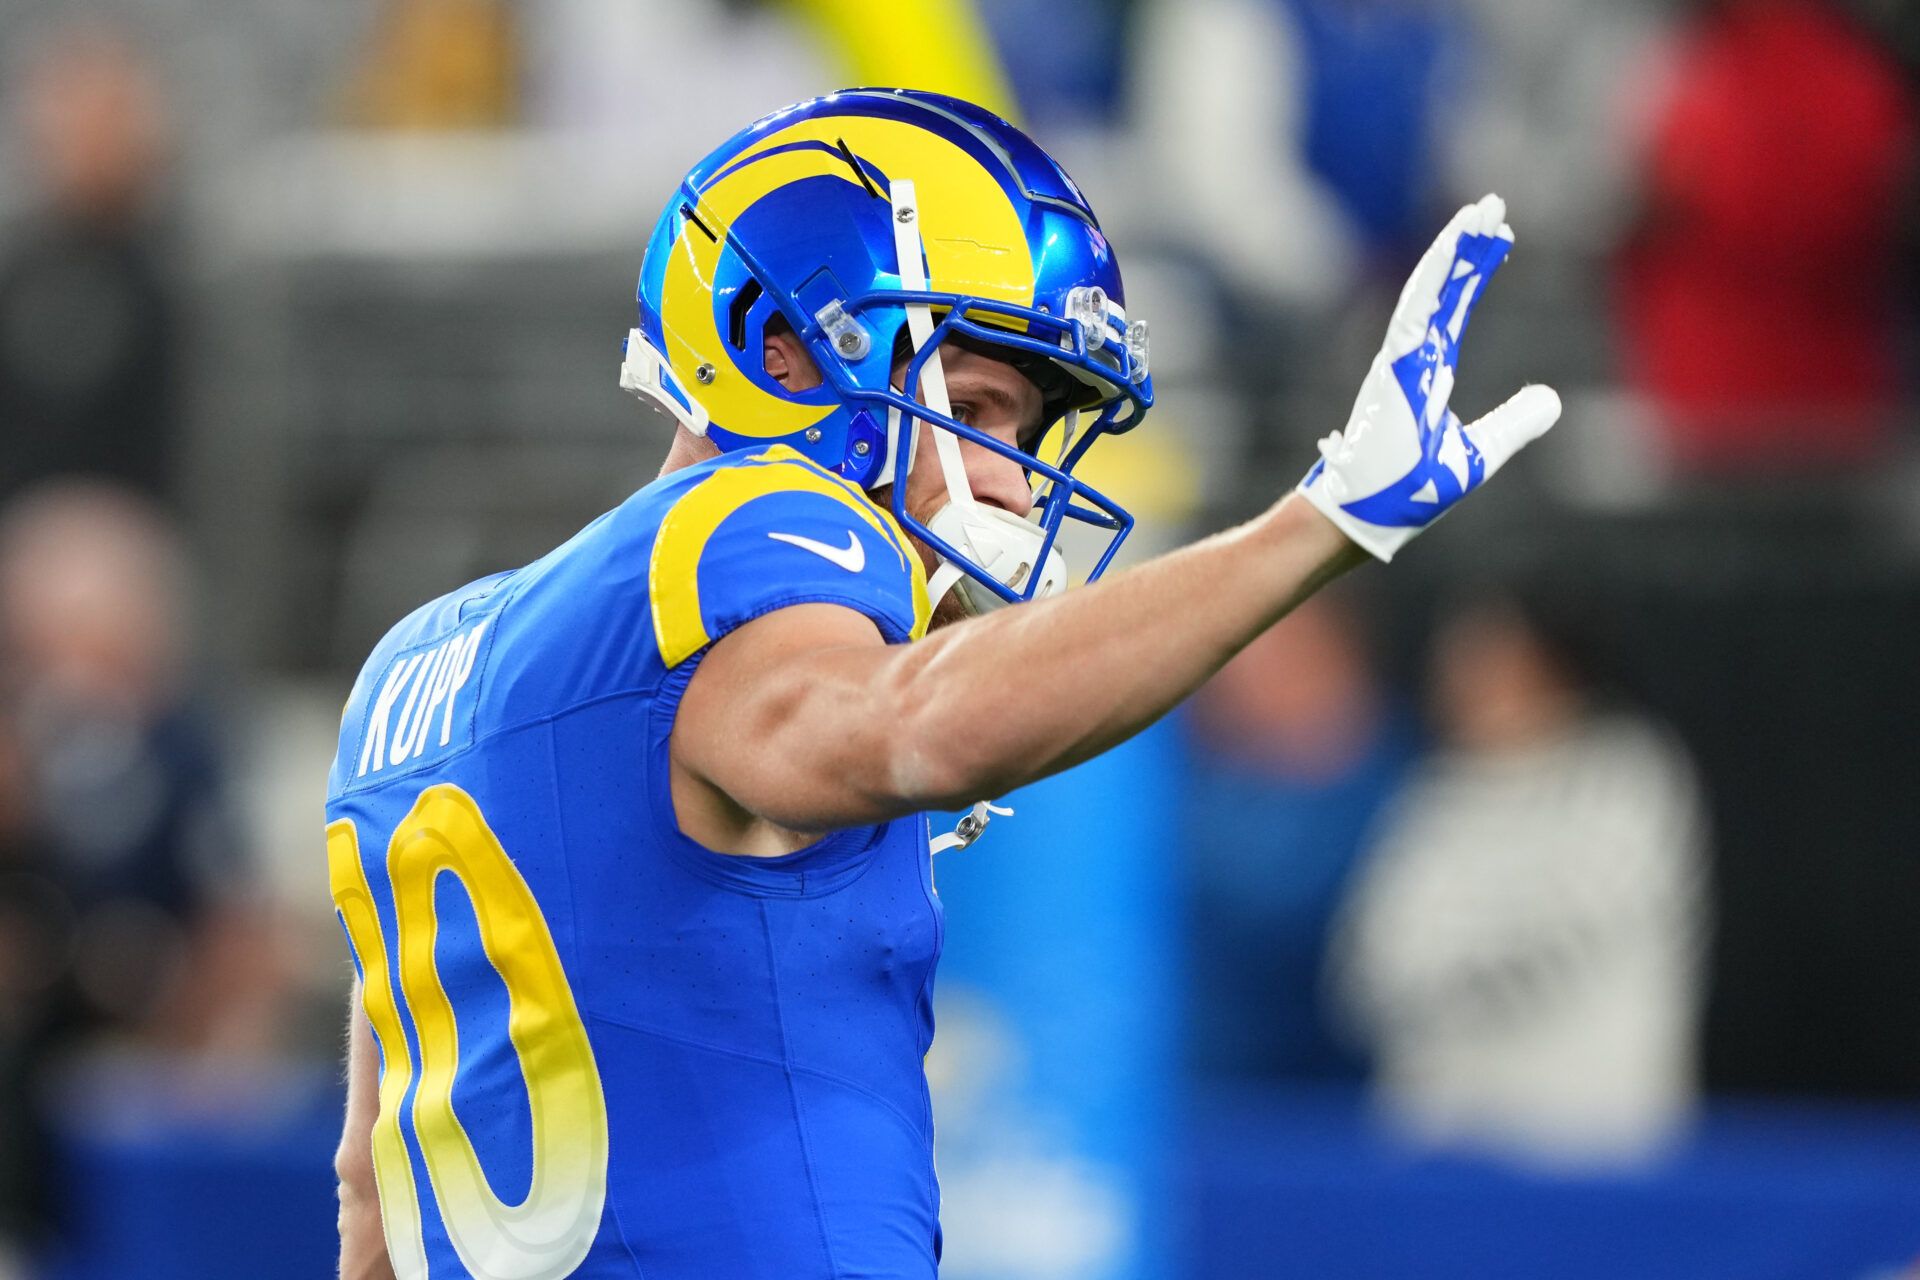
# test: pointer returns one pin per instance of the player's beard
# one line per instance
(953, 607)
(950, 608)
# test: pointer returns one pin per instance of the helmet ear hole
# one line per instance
(795, 374)
(743, 300)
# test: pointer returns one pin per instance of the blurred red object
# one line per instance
(1758, 301)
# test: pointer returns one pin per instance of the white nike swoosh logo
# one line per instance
(852, 557)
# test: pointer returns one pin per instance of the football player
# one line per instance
(629, 843)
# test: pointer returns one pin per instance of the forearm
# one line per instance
(985, 706)
(844, 731)
(1024, 693)
(363, 1245)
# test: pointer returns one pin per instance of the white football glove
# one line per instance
(1404, 458)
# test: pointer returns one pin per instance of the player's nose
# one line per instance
(999, 482)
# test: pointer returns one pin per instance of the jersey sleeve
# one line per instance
(772, 532)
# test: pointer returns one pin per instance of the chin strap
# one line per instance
(1001, 544)
(968, 829)
(913, 278)
(933, 378)
(945, 578)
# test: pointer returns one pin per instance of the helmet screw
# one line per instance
(904, 215)
(849, 343)
(703, 374)
(813, 435)
(861, 448)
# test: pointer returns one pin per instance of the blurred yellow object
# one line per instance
(940, 45)
(1159, 482)
(439, 65)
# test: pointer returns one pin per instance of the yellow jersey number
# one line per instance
(547, 1235)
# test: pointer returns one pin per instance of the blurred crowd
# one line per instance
(1449, 830)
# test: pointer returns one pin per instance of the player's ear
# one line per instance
(786, 359)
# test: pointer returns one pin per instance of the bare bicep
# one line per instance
(763, 741)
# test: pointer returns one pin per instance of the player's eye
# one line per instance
(963, 412)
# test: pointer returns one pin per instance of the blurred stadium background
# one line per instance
(1545, 906)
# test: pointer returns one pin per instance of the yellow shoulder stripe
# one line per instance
(674, 572)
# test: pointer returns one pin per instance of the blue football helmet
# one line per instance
(878, 224)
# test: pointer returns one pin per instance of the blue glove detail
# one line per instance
(1404, 458)
(1433, 485)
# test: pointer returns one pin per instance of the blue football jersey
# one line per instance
(605, 1049)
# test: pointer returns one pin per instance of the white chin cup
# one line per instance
(999, 542)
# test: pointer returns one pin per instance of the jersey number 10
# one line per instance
(547, 1235)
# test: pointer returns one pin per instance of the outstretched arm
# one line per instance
(845, 730)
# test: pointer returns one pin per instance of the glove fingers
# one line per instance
(1421, 296)
(1423, 286)
(1514, 425)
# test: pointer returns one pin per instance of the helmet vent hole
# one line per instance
(686, 211)
(749, 293)
(859, 170)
